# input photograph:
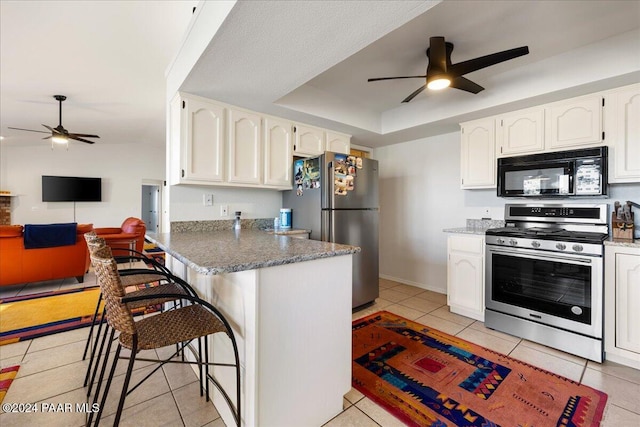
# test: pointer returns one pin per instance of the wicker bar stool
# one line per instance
(164, 281)
(176, 327)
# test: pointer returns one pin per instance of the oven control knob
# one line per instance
(513, 242)
(500, 241)
(578, 248)
(561, 246)
(535, 244)
(576, 310)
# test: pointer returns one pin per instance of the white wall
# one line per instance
(187, 204)
(122, 168)
(420, 196)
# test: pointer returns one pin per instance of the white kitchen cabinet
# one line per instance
(520, 132)
(622, 126)
(245, 147)
(465, 275)
(338, 142)
(574, 123)
(309, 141)
(278, 152)
(197, 139)
(622, 304)
(477, 154)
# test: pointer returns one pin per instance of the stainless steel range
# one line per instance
(544, 276)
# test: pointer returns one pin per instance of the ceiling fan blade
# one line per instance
(51, 129)
(83, 135)
(437, 54)
(48, 137)
(73, 136)
(413, 95)
(28, 130)
(394, 78)
(466, 85)
(471, 65)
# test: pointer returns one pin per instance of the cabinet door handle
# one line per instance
(182, 173)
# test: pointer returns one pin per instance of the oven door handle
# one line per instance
(529, 254)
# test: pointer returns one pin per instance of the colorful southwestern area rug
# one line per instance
(7, 376)
(37, 315)
(425, 377)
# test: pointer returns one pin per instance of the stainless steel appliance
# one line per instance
(576, 173)
(544, 276)
(336, 197)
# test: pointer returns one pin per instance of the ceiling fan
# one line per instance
(59, 133)
(441, 73)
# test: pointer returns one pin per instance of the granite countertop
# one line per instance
(476, 226)
(287, 231)
(225, 251)
(622, 242)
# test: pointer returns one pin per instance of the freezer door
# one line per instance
(347, 186)
(358, 228)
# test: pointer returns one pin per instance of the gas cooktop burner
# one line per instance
(549, 234)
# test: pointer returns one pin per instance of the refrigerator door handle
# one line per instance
(332, 184)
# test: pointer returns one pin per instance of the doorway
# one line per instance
(151, 202)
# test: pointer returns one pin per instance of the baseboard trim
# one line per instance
(412, 283)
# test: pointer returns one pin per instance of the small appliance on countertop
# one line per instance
(622, 220)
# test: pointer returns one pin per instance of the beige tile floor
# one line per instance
(52, 371)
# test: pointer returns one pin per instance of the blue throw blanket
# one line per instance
(49, 235)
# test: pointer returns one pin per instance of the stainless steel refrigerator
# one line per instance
(336, 197)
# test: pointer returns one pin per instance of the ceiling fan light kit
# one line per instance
(441, 73)
(59, 134)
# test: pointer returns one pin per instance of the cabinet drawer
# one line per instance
(470, 244)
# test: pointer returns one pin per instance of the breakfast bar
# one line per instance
(289, 303)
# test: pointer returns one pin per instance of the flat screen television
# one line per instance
(71, 189)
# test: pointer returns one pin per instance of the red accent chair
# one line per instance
(130, 235)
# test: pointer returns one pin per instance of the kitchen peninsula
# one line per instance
(289, 303)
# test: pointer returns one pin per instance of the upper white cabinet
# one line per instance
(197, 140)
(245, 147)
(338, 142)
(622, 305)
(465, 275)
(309, 141)
(574, 123)
(623, 134)
(278, 152)
(211, 143)
(521, 132)
(477, 154)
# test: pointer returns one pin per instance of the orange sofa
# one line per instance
(20, 265)
(130, 235)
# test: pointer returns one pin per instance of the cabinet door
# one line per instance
(203, 145)
(465, 275)
(628, 302)
(278, 152)
(575, 123)
(338, 143)
(521, 132)
(244, 147)
(626, 135)
(309, 141)
(477, 156)
(465, 288)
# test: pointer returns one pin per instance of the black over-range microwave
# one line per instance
(576, 173)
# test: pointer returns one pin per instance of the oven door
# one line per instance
(560, 290)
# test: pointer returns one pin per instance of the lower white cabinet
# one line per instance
(622, 305)
(465, 275)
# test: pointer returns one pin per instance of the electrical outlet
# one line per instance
(207, 199)
(224, 210)
(486, 213)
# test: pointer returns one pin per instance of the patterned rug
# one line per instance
(425, 377)
(36, 315)
(6, 378)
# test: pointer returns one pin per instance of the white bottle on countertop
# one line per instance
(276, 223)
(237, 225)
